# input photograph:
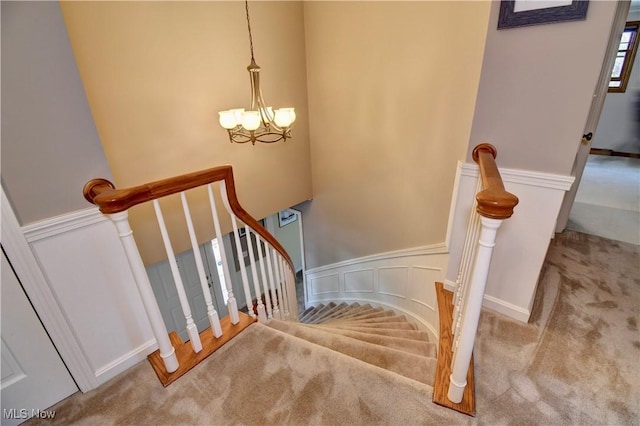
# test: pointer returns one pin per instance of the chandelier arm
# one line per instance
(241, 135)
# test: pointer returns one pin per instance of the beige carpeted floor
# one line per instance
(576, 363)
(608, 199)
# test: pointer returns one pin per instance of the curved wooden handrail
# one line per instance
(110, 200)
(493, 201)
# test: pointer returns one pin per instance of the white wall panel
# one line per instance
(359, 281)
(87, 271)
(393, 281)
(325, 285)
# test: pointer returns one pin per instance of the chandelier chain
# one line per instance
(246, 6)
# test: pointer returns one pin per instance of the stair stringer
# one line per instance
(401, 281)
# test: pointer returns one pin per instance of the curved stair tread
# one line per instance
(406, 334)
(310, 311)
(346, 310)
(319, 313)
(414, 346)
(371, 321)
(350, 313)
(327, 314)
(377, 313)
(416, 367)
(383, 326)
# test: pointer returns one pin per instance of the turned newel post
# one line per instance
(494, 205)
(120, 219)
(167, 352)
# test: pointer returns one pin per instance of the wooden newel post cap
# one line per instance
(484, 147)
(90, 190)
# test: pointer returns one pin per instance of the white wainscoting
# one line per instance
(86, 270)
(522, 240)
(403, 281)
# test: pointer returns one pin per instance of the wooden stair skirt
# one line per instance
(445, 355)
(184, 352)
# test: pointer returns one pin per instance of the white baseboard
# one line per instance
(506, 308)
(125, 361)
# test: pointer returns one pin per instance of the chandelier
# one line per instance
(260, 123)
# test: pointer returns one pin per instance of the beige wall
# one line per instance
(536, 88)
(50, 147)
(157, 73)
(392, 86)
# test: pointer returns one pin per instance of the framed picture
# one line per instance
(520, 13)
(244, 246)
(287, 216)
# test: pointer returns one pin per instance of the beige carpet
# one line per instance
(576, 363)
(607, 203)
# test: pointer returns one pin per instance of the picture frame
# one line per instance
(518, 13)
(286, 216)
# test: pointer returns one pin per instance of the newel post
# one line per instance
(469, 328)
(167, 352)
(494, 205)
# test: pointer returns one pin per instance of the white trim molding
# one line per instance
(402, 280)
(63, 223)
(522, 241)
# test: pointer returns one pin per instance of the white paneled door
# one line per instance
(33, 374)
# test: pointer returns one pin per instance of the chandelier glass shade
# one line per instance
(261, 123)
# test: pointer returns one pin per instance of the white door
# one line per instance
(33, 376)
(597, 104)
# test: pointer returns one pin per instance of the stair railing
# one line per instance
(493, 205)
(277, 271)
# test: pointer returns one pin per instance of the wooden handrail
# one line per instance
(110, 200)
(493, 201)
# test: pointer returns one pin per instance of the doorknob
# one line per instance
(586, 138)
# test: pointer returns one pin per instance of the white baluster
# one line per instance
(276, 259)
(274, 295)
(214, 319)
(469, 327)
(167, 352)
(262, 314)
(192, 330)
(473, 233)
(232, 304)
(240, 257)
(265, 283)
(468, 252)
(285, 293)
(291, 292)
(223, 257)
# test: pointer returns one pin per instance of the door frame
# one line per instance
(597, 104)
(43, 298)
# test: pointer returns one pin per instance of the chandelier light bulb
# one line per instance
(227, 119)
(284, 117)
(251, 120)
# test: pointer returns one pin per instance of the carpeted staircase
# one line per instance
(373, 335)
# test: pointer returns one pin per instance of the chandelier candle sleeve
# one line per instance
(260, 123)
